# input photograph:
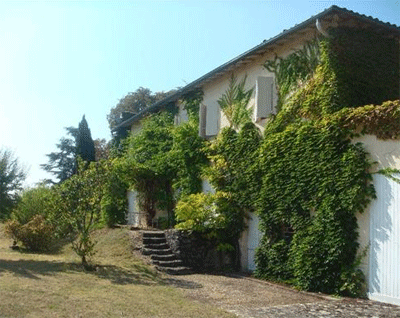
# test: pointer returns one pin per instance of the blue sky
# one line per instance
(62, 59)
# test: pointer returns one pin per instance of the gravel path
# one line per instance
(247, 297)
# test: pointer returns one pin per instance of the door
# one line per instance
(253, 241)
(384, 262)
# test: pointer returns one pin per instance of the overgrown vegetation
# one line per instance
(314, 179)
(314, 183)
(163, 162)
(293, 71)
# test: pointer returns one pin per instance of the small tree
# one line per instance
(82, 195)
(11, 177)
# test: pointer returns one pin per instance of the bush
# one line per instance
(34, 201)
(37, 235)
(198, 212)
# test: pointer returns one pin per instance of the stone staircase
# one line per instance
(155, 245)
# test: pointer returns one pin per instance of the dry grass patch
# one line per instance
(38, 285)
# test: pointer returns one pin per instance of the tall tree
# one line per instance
(134, 103)
(62, 164)
(84, 142)
(12, 174)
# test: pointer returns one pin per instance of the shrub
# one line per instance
(34, 201)
(199, 212)
(37, 235)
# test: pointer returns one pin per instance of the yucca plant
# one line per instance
(234, 103)
(291, 72)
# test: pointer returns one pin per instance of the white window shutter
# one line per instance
(202, 120)
(176, 120)
(264, 99)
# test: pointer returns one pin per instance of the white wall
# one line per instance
(385, 154)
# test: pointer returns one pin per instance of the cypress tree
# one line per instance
(84, 142)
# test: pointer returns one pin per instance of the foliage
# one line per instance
(383, 121)
(352, 72)
(12, 174)
(235, 167)
(148, 167)
(191, 103)
(314, 182)
(294, 70)
(234, 103)
(353, 282)
(188, 157)
(62, 164)
(84, 142)
(366, 64)
(234, 171)
(37, 235)
(81, 199)
(134, 103)
(114, 200)
(101, 149)
(215, 216)
(34, 201)
(200, 212)
(162, 159)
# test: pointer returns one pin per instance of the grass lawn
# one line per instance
(38, 285)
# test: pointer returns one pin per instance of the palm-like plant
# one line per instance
(234, 103)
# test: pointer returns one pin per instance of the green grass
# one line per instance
(39, 285)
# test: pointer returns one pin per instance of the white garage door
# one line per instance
(253, 241)
(384, 263)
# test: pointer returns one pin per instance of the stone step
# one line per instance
(157, 246)
(154, 240)
(173, 263)
(150, 251)
(175, 270)
(166, 257)
(147, 234)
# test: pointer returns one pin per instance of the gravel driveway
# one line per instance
(247, 297)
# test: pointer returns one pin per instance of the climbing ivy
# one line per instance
(293, 71)
(356, 68)
(234, 170)
(383, 121)
(191, 103)
(314, 180)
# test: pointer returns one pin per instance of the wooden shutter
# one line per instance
(264, 101)
(202, 120)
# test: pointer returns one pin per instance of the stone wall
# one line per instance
(196, 251)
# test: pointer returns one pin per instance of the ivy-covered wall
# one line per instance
(356, 68)
(314, 179)
(314, 182)
(366, 65)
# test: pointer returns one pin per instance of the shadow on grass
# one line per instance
(31, 269)
(117, 275)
